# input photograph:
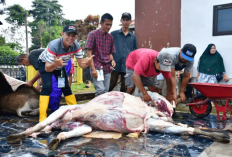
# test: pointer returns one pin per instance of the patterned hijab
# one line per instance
(211, 63)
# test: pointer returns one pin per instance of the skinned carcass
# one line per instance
(16, 98)
(113, 111)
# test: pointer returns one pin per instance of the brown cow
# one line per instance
(16, 98)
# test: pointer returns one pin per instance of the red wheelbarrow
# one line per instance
(201, 105)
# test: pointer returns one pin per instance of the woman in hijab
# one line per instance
(210, 64)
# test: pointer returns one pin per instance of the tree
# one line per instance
(84, 27)
(7, 55)
(52, 33)
(16, 14)
(13, 34)
(50, 12)
(39, 32)
(67, 22)
(13, 46)
(16, 17)
(2, 40)
(47, 10)
(7, 51)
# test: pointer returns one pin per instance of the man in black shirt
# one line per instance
(31, 59)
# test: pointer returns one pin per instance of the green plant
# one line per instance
(7, 55)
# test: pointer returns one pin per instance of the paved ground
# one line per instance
(219, 149)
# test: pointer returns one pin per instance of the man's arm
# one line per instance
(113, 63)
(112, 60)
(169, 89)
(93, 69)
(173, 82)
(38, 87)
(85, 62)
(185, 81)
(137, 81)
(32, 81)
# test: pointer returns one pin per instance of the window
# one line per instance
(222, 19)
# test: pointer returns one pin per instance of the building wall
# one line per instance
(157, 22)
(197, 28)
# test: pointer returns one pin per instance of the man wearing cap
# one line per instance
(182, 59)
(100, 43)
(52, 61)
(142, 65)
(125, 42)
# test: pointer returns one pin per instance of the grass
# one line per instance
(80, 88)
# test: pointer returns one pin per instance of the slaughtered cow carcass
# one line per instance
(113, 111)
(16, 98)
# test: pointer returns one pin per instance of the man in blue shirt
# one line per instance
(125, 42)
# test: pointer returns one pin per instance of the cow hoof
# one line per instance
(15, 138)
(222, 137)
(53, 145)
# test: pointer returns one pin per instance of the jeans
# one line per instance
(47, 80)
(102, 86)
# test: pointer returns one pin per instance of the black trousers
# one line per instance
(47, 80)
(114, 79)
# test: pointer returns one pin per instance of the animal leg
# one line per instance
(220, 137)
(77, 129)
(167, 127)
(19, 113)
(25, 108)
(34, 112)
(47, 130)
(15, 138)
(166, 119)
(158, 125)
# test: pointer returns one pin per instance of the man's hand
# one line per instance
(182, 96)
(94, 73)
(29, 83)
(170, 97)
(146, 97)
(174, 97)
(59, 62)
(225, 78)
(113, 63)
(38, 87)
(88, 60)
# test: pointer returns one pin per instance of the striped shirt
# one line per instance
(56, 48)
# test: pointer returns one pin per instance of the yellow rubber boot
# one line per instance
(43, 106)
(70, 99)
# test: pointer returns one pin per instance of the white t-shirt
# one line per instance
(160, 77)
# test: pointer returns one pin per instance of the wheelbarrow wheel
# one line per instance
(200, 111)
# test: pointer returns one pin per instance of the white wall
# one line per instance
(197, 26)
